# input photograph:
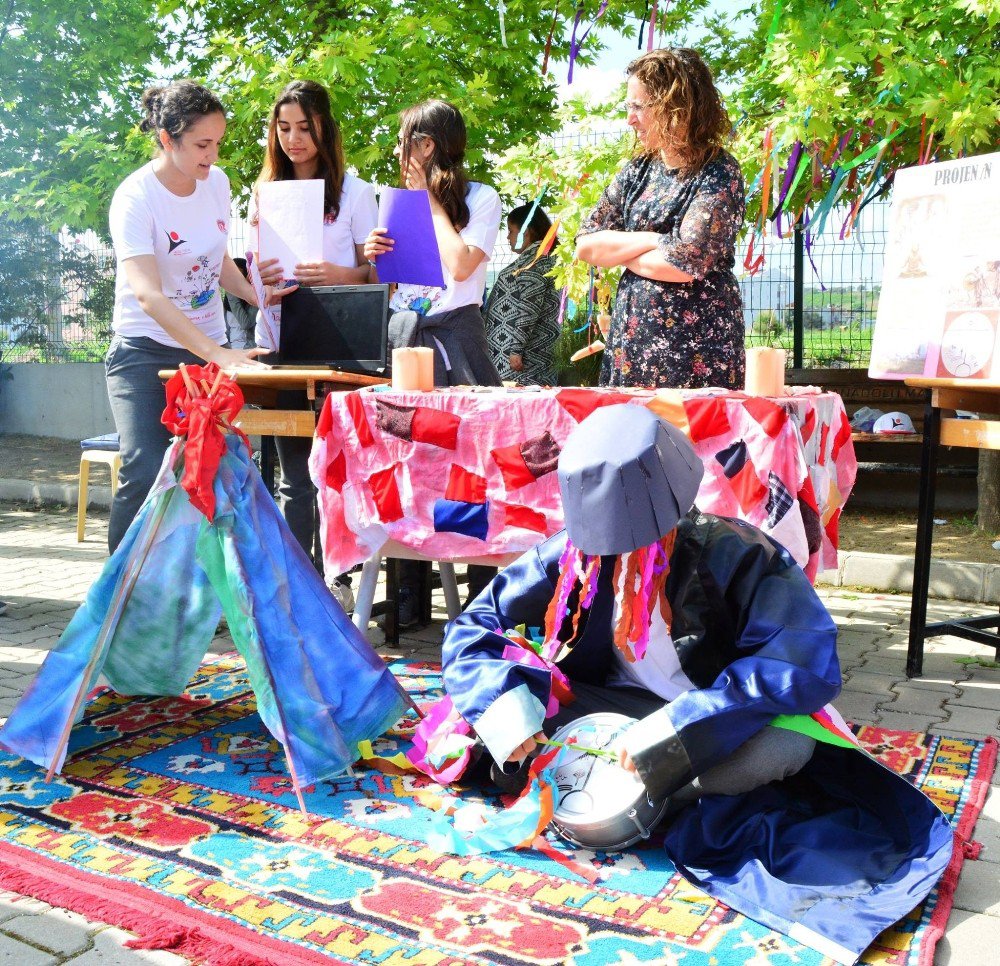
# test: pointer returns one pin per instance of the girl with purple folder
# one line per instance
(304, 141)
(430, 147)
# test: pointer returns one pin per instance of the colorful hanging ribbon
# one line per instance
(202, 402)
(574, 44)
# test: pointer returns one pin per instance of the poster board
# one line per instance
(939, 308)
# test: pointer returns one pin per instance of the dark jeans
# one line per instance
(296, 493)
(137, 401)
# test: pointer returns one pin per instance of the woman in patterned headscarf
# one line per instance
(522, 312)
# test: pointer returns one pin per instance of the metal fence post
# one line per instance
(798, 297)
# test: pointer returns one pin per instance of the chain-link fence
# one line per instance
(58, 290)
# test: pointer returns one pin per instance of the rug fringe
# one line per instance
(190, 943)
(979, 789)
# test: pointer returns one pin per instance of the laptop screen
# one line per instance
(342, 326)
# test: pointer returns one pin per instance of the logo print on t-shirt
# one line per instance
(221, 225)
(174, 241)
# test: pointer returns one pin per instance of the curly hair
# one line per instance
(314, 101)
(446, 177)
(175, 107)
(687, 110)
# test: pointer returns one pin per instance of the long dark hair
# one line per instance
(688, 113)
(175, 107)
(446, 177)
(325, 132)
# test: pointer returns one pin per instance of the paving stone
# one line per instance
(898, 721)
(973, 720)
(979, 694)
(914, 699)
(109, 949)
(858, 707)
(12, 904)
(970, 940)
(62, 933)
(977, 889)
(13, 952)
(870, 682)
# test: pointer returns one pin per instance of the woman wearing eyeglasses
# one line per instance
(466, 215)
(670, 218)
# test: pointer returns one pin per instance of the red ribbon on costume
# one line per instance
(202, 402)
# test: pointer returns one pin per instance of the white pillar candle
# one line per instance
(405, 369)
(765, 374)
(425, 368)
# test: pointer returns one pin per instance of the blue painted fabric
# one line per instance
(320, 686)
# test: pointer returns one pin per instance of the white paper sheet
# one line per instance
(290, 222)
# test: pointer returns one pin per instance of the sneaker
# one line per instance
(408, 609)
(344, 595)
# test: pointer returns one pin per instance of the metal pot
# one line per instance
(601, 806)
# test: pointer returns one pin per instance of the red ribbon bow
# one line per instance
(202, 402)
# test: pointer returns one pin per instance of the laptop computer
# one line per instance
(341, 326)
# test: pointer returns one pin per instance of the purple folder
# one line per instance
(415, 258)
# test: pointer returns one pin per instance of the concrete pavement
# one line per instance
(44, 574)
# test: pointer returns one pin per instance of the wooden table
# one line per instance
(260, 387)
(978, 396)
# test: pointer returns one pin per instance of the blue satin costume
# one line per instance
(832, 855)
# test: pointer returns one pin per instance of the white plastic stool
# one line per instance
(111, 458)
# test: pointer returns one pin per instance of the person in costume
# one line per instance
(670, 218)
(522, 311)
(169, 222)
(430, 148)
(706, 631)
(304, 142)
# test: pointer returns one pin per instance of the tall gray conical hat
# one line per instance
(626, 478)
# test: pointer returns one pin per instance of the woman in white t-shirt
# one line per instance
(169, 223)
(430, 147)
(303, 141)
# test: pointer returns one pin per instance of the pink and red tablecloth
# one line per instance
(459, 473)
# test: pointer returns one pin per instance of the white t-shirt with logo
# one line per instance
(187, 236)
(358, 216)
(481, 231)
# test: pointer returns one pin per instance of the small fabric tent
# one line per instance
(146, 623)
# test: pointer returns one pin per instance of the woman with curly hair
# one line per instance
(670, 218)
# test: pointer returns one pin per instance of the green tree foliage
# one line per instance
(80, 66)
(857, 72)
(71, 72)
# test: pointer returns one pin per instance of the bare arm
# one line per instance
(144, 280)
(609, 248)
(652, 265)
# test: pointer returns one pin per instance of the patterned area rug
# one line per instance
(174, 817)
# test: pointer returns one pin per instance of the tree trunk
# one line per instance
(989, 491)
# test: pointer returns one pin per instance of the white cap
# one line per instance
(890, 423)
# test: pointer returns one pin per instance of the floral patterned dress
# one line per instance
(670, 334)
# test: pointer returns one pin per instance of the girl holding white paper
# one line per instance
(169, 221)
(304, 143)
(430, 147)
